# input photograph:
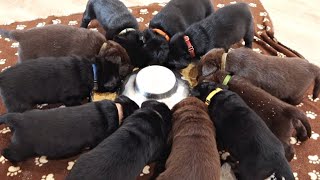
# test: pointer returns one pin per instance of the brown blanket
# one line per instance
(306, 164)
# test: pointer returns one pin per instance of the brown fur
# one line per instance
(279, 116)
(114, 49)
(55, 41)
(194, 153)
(286, 78)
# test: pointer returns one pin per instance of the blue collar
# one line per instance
(95, 78)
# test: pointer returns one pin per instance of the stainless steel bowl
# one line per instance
(156, 82)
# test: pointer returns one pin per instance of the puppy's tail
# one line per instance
(7, 34)
(316, 88)
(300, 123)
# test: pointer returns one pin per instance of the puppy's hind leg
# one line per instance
(289, 151)
(248, 37)
(15, 153)
(88, 15)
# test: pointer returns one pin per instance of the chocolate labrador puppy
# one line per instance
(51, 80)
(243, 133)
(63, 132)
(194, 153)
(175, 17)
(285, 78)
(141, 139)
(279, 116)
(55, 41)
(223, 28)
(119, 24)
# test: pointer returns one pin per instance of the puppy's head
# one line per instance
(128, 106)
(133, 42)
(210, 62)
(179, 56)
(202, 90)
(156, 47)
(112, 48)
(163, 110)
(108, 76)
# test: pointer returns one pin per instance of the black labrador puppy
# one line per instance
(119, 24)
(63, 132)
(113, 16)
(68, 80)
(175, 17)
(243, 133)
(223, 28)
(140, 140)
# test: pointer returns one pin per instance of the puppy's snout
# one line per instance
(111, 86)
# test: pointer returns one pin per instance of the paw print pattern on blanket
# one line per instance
(13, 171)
(3, 160)
(314, 136)
(48, 177)
(5, 130)
(313, 100)
(314, 175)
(40, 161)
(314, 159)
(311, 114)
(20, 27)
(70, 165)
(2, 61)
(146, 170)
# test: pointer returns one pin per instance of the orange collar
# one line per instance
(162, 33)
(190, 47)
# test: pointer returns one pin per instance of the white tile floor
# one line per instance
(296, 22)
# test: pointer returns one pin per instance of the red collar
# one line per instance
(190, 47)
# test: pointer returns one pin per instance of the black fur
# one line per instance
(243, 133)
(140, 140)
(223, 28)
(62, 132)
(175, 17)
(113, 16)
(66, 80)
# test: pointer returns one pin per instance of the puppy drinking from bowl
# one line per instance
(64, 132)
(120, 25)
(175, 17)
(194, 153)
(55, 41)
(223, 28)
(242, 133)
(279, 116)
(285, 78)
(67, 80)
(141, 139)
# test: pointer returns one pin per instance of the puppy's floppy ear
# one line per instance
(128, 105)
(195, 92)
(208, 68)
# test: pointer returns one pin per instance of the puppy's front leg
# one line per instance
(88, 15)
(15, 153)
